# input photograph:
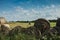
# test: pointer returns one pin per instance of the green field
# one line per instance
(25, 25)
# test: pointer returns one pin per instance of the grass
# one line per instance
(25, 25)
(52, 24)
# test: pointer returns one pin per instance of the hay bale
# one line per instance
(58, 22)
(5, 29)
(42, 25)
(15, 30)
(29, 23)
(2, 20)
(29, 31)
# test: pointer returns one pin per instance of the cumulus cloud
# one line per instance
(48, 12)
(19, 13)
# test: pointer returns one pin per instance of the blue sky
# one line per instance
(24, 10)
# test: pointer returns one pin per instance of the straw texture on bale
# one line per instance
(5, 29)
(41, 27)
(2, 20)
(15, 30)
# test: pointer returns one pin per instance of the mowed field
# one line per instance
(25, 25)
(23, 36)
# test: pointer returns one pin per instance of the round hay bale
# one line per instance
(42, 24)
(5, 29)
(2, 20)
(58, 22)
(29, 23)
(53, 31)
(29, 30)
(7, 25)
(15, 30)
(41, 27)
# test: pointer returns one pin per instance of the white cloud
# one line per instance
(52, 6)
(49, 12)
(19, 13)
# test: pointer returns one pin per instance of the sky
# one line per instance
(28, 10)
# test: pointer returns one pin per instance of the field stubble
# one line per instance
(25, 25)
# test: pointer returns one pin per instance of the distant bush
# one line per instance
(52, 20)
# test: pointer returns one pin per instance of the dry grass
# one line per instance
(25, 25)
